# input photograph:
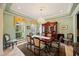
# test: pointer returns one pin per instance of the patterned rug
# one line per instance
(28, 52)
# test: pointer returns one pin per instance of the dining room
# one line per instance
(39, 29)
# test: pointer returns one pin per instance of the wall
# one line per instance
(1, 31)
(64, 21)
(9, 25)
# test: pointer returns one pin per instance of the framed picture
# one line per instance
(64, 27)
(28, 27)
(18, 27)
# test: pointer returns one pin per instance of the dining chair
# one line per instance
(7, 41)
(65, 50)
(70, 37)
(30, 34)
(38, 45)
(62, 50)
(29, 42)
(69, 50)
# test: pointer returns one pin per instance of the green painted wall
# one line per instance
(64, 21)
(8, 25)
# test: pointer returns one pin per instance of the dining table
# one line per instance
(41, 37)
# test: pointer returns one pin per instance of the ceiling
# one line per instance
(48, 9)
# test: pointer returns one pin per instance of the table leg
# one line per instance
(12, 45)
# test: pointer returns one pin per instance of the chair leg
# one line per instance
(16, 43)
(27, 46)
(30, 47)
(34, 50)
(39, 51)
(5, 46)
(45, 49)
(12, 44)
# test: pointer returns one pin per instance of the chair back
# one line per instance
(66, 50)
(62, 49)
(36, 41)
(28, 38)
(69, 50)
(69, 36)
(6, 37)
(30, 34)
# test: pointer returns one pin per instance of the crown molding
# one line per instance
(14, 13)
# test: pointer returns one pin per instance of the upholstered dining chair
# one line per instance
(70, 37)
(38, 45)
(62, 50)
(29, 42)
(69, 50)
(30, 34)
(7, 41)
(65, 50)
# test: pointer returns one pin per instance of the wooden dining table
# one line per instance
(41, 37)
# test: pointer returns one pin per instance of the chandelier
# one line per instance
(41, 20)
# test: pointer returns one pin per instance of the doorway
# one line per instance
(78, 27)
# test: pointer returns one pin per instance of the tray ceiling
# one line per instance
(48, 9)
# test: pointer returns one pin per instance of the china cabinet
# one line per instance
(50, 28)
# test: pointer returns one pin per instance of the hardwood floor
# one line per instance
(13, 52)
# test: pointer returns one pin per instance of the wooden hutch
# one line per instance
(50, 28)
